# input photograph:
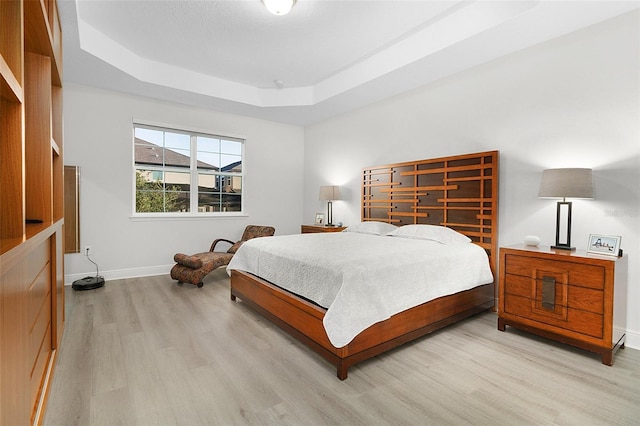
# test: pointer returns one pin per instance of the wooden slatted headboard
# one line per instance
(460, 192)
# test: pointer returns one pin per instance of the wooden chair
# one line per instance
(192, 269)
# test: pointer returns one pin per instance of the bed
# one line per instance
(458, 192)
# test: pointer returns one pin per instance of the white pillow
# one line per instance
(440, 234)
(371, 227)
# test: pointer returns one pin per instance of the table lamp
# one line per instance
(329, 193)
(565, 183)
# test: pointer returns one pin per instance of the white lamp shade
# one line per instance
(566, 183)
(329, 193)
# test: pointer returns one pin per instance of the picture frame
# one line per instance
(319, 219)
(604, 244)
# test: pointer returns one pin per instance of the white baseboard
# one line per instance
(120, 274)
(632, 339)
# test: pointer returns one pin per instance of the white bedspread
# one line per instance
(363, 279)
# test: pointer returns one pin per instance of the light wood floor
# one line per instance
(147, 351)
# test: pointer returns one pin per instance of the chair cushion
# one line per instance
(255, 231)
(208, 260)
(186, 260)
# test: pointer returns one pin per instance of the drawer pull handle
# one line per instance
(548, 293)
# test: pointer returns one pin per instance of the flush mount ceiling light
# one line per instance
(279, 7)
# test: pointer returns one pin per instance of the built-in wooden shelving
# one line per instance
(31, 206)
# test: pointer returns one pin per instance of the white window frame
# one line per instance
(193, 170)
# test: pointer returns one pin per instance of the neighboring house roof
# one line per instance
(233, 167)
(150, 153)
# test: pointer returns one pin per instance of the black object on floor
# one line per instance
(88, 283)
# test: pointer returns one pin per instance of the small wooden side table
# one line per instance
(570, 296)
(311, 229)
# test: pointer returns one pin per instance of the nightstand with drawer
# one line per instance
(573, 297)
(310, 229)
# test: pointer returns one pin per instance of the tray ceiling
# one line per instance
(324, 58)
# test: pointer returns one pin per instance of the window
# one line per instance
(186, 172)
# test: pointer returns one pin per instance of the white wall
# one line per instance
(570, 102)
(98, 138)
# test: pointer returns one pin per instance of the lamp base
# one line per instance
(563, 206)
(561, 247)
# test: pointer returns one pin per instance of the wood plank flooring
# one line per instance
(147, 351)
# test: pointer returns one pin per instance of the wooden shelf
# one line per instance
(10, 88)
(33, 229)
(55, 148)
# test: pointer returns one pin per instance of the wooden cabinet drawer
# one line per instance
(565, 317)
(39, 293)
(39, 368)
(581, 298)
(579, 274)
(37, 259)
(39, 328)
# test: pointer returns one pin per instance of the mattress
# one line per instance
(362, 279)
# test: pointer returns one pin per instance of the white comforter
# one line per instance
(363, 279)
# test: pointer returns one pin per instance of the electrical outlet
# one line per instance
(87, 250)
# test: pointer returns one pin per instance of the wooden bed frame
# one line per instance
(460, 192)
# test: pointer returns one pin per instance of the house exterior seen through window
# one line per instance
(180, 171)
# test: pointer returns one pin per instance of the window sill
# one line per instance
(184, 216)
